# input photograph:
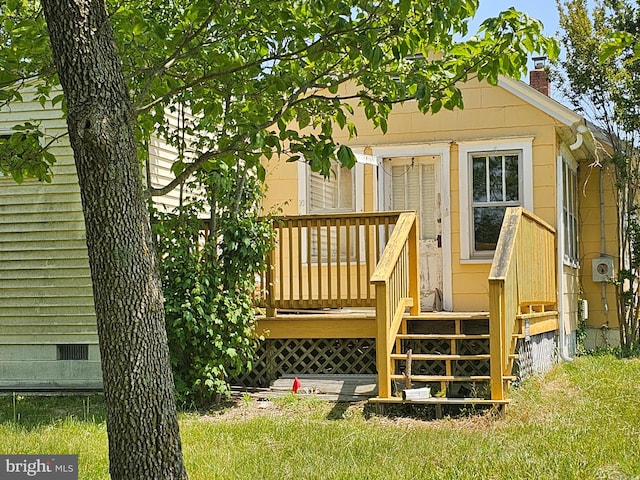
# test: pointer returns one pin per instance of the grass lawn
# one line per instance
(580, 421)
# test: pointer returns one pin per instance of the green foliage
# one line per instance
(279, 83)
(24, 57)
(209, 282)
(24, 51)
(276, 84)
(602, 79)
(22, 155)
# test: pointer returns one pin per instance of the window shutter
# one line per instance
(413, 187)
(334, 194)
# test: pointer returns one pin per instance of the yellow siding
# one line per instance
(282, 186)
(369, 194)
(490, 113)
(590, 243)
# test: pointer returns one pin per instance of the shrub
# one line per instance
(209, 269)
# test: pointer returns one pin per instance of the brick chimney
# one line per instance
(539, 77)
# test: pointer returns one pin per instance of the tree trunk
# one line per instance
(144, 440)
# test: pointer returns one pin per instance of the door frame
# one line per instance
(443, 150)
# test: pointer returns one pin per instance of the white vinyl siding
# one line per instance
(161, 158)
(46, 298)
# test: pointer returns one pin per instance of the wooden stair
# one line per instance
(448, 352)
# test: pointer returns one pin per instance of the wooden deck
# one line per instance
(341, 323)
(314, 290)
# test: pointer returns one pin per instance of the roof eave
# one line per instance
(555, 109)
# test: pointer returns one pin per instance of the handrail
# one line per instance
(396, 281)
(522, 279)
(325, 260)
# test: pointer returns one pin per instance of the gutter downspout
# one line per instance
(581, 130)
(562, 350)
(579, 138)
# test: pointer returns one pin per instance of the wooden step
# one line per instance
(435, 356)
(442, 401)
(448, 316)
(443, 336)
(449, 378)
(444, 378)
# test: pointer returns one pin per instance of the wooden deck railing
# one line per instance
(396, 281)
(522, 282)
(325, 261)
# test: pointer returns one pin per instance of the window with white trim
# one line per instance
(493, 174)
(495, 185)
(570, 213)
(333, 194)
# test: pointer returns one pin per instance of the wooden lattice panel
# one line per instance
(427, 346)
(279, 357)
(473, 347)
(468, 368)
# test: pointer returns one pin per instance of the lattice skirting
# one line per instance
(462, 368)
(341, 356)
(537, 354)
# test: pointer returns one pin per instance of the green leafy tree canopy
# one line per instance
(254, 75)
(601, 78)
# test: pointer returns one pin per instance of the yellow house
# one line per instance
(511, 146)
(401, 267)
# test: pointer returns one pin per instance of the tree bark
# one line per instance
(144, 440)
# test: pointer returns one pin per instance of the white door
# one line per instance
(413, 183)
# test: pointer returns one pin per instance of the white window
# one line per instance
(570, 213)
(495, 185)
(494, 175)
(333, 194)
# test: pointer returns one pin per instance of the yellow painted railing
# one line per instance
(325, 261)
(522, 282)
(396, 281)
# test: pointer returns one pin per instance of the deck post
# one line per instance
(268, 289)
(414, 267)
(496, 341)
(383, 355)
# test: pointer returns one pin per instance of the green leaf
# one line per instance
(139, 28)
(346, 157)
(436, 105)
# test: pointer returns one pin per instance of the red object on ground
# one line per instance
(296, 385)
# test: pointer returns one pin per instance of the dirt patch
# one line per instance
(241, 409)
